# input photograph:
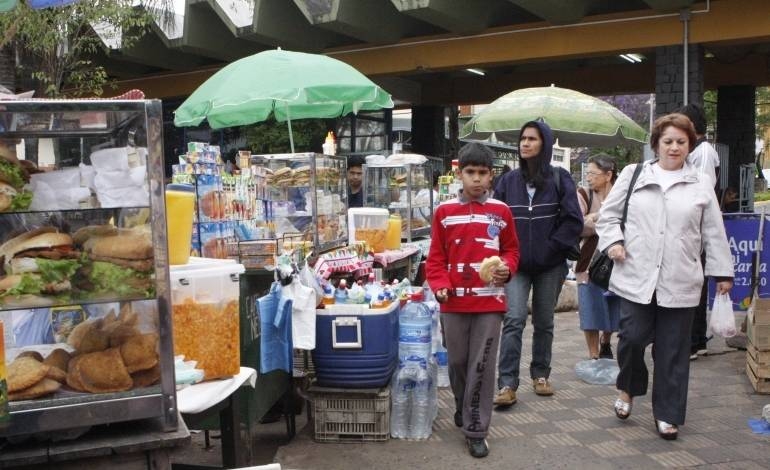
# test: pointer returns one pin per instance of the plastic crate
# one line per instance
(350, 415)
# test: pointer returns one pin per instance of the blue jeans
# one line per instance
(545, 286)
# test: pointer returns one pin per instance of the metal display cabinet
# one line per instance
(403, 189)
(308, 195)
(60, 135)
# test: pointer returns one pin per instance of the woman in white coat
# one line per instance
(673, 215)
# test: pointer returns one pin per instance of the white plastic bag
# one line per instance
(722, 321)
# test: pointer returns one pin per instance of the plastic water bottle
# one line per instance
(421, 418)
(414, 338)
(341, 293)
(401, 390)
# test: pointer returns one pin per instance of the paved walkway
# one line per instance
(576, 428)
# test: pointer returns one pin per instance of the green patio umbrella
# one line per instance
(577, 119)
(288, 85)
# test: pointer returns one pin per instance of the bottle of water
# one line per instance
(421, 418)
(341, 293)
(414, 338)
(401, 390)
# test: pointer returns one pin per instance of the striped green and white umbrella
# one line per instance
(577, 119)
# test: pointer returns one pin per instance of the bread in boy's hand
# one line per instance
(488, 267)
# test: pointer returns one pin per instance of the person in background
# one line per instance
(548, 225)
(705, 159)
(466, 230)
(599, 310)
(355, 180)
(673, 215)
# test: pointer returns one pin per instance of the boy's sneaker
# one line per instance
(542, 387)
(605, 351)
(458, 419)
(478, 447)
(506, 396)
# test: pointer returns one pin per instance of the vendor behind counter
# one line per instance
(355, 181)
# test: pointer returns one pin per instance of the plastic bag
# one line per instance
(597, 371)
(308, 279)
(722, 321)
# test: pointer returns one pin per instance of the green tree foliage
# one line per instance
(57, 45)
(272, 136)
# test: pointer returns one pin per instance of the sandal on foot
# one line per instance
(622, 408)
(666, 430)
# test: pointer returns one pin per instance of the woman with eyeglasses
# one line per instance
(599, 310)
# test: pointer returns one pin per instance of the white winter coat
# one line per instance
(665, 234)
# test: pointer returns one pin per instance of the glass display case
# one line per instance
(84, 283)
(307, 196)
(405, 190)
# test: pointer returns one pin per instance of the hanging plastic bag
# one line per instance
(308, 279)
(722, 321)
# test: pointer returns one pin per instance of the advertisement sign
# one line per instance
(743, 239)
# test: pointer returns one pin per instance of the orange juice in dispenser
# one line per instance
(393, 235)
(180, 204)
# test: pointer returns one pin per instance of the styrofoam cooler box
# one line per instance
(205, 314)
(356, 346)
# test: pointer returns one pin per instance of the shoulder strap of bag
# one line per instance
(637, 170)
(586, 198)
(556, 179)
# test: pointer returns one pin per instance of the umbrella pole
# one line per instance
(288, 121)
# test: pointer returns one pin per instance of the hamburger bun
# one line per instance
(83, 234)
(7, 193)
(127, 246)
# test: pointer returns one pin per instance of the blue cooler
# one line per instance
(356, 346)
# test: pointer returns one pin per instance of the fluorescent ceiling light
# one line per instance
(476, 71)
(633, 58)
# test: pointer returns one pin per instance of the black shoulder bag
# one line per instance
(600, 269)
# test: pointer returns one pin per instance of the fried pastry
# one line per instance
(58, 358)
(33, 354)
(24, 372)
(73, 375)
(140, 352)
(54, 373)
(145, 378)
(41, 388)
(103, 372)
(88, 337)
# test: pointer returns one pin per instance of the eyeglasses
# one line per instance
(595, 173)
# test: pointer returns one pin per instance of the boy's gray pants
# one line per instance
(471, 343)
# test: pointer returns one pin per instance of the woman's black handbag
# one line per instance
(600, 269)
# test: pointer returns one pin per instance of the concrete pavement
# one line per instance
(576, 428)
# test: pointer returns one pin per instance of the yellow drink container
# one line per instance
(180, 204)
(393, 235)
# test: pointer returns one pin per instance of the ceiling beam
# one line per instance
(206, 34)
(669, 5)
(280, 23)
(556, 11)
(457, 16)
(726, 21)
(151, 50)
(372, 21)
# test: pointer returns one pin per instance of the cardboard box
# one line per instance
(760, 361)
(761, 385)
(758, 334)
(761, 308)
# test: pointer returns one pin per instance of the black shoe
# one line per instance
(478, 447)
(458, 419)
(605, 352)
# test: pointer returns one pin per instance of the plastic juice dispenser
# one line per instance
(393, 235)
(180, 205)
(329, 145)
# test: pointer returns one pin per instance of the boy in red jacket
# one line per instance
(466, 230)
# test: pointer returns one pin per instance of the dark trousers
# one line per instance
(698, 334)
(471, 343)
(668, 328)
